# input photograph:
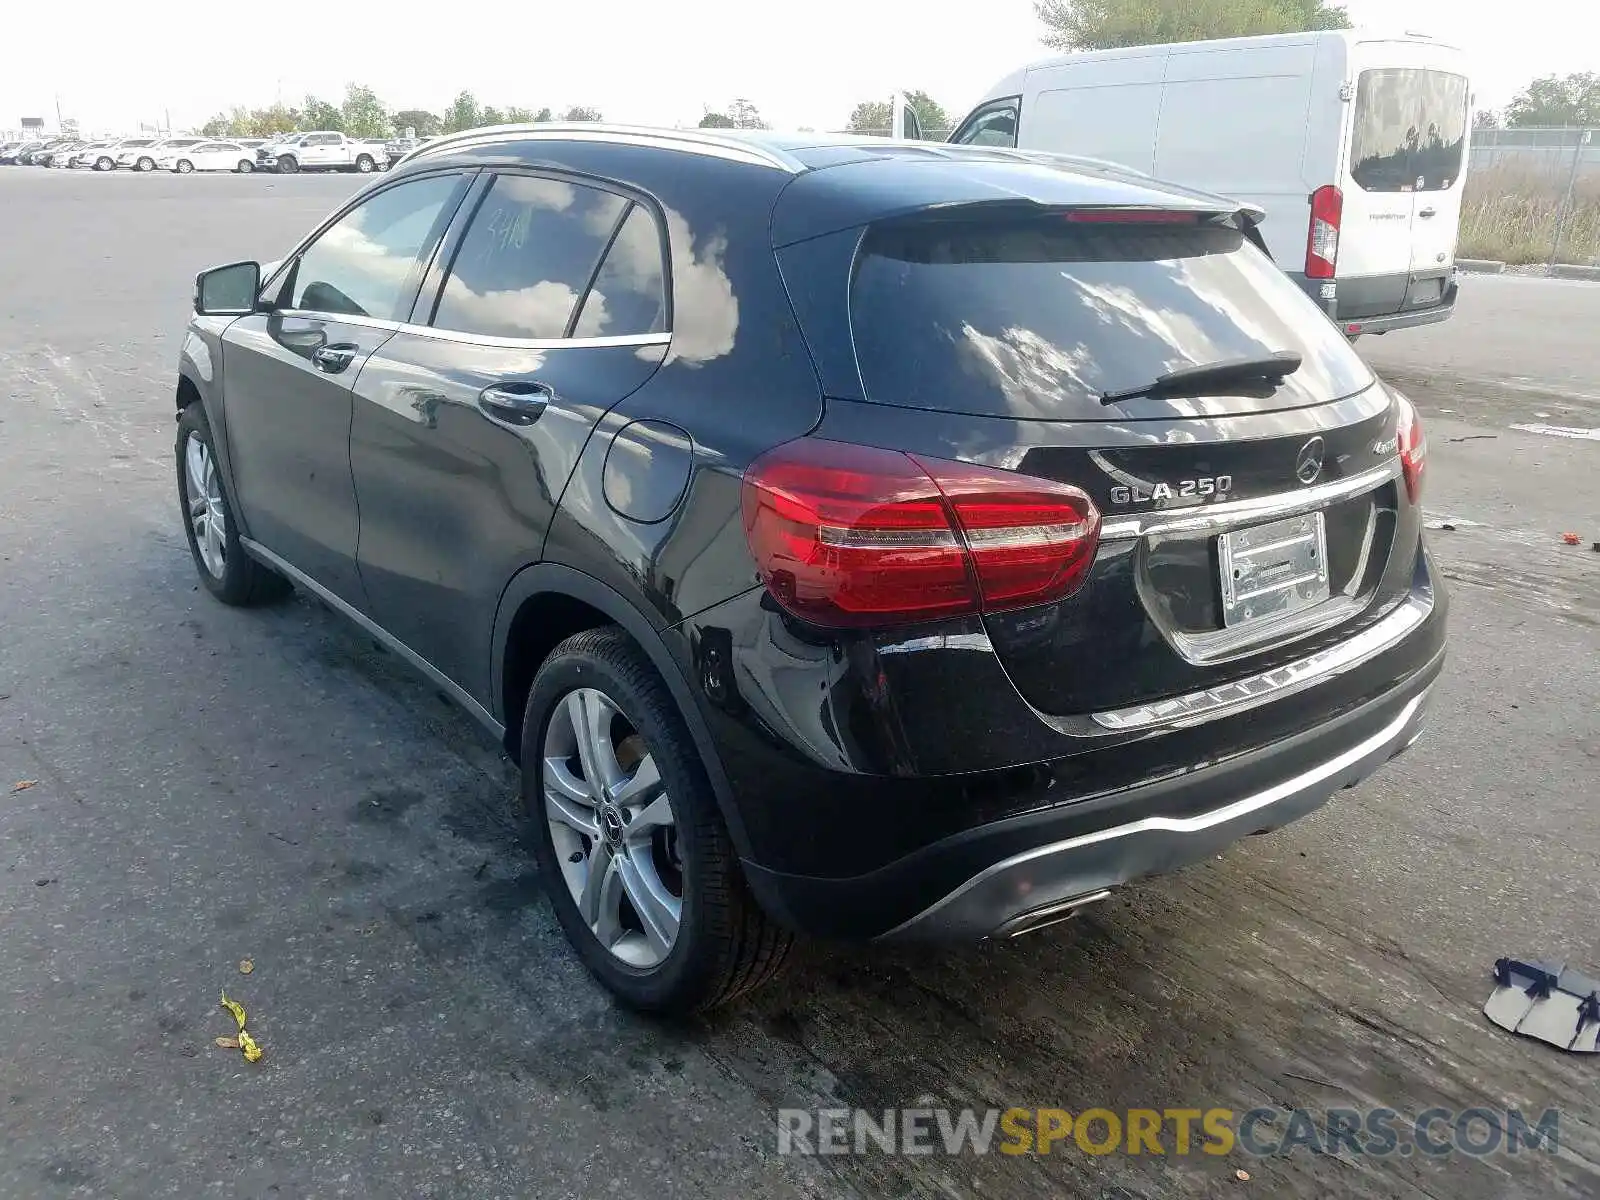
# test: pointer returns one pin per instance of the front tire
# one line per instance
(228, 573)
(288, 165)
(630, 844)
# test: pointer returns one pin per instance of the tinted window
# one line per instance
(992, 126)
(1038, 319)
(1410, 130)
(527, 258)
(360, 264)
(629, 294)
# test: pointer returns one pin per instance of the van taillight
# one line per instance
(849, 535)
(1322, 243)
(1412, 444)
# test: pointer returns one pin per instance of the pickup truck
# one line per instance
(322, 151)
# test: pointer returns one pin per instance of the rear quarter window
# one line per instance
(1037, 319)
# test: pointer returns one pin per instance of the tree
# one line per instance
(490, 115)
(582, 112)
(320, 114)
(543, 115)
(745, 115)
(364, 114)
(717, 120)
(518, 116)
(1105, 24)
(876, 116)
(219, 126)
(463, 113)
(1487, 118)
(264, 122)
(419, 119)
(1570, 100)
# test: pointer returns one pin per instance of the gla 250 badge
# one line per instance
(1183, 489)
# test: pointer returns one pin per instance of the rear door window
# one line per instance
(628, 296)
(528, 257)
(1410, 130)
(1039, 318)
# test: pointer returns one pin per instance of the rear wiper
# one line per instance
(1189, 380)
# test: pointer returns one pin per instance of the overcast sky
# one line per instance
(646, 61)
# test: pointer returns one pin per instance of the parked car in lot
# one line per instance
(142, 155)
(8, 150)
(86, 152)
(207, 156)
(1354, 144)
(323, 151)
(59, 156)
(35, 154)
(836, 548)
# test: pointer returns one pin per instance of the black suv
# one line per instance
(860, 538)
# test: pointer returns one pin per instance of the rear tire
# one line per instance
(723, 945)
(184, 166)
(105, 164)
(245, 166)
(146, 164)
(227, 572)
(365, 164)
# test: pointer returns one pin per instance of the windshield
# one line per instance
(1040, 318)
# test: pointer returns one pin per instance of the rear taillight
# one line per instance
(1322, 243)
(853, 535)
(1413, 446)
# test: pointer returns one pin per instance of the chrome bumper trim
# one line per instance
(1215, 518)
(1178, 711)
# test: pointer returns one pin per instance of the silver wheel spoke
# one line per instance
(567, 800)
(591, 713)
(658, 910)
(642, 786)
(195, 458)
(655, 815)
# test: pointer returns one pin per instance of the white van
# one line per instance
(1355, 146)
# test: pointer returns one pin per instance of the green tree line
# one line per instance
(363, 114)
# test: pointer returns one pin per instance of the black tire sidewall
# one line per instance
(676, 983)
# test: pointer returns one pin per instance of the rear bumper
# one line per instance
(1009, 896)
(1349, 295)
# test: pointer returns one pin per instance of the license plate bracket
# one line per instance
(1274, 570)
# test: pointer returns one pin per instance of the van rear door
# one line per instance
(1402, 189)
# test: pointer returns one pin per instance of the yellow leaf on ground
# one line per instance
(252, 1052)
(235, 1008)
(246, 966)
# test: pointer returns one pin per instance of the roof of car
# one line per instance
(846, 178)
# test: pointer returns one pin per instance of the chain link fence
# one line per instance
(1533, 196)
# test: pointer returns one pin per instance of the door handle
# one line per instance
(334, 358)
(1428, 212)
(515, 403)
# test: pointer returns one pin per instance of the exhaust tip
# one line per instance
(1048, 915)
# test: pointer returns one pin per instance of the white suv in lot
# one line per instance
(206, 156)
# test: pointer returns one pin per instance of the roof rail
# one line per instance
(712, 143)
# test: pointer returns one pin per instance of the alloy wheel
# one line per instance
(612, 827)
(207, 513)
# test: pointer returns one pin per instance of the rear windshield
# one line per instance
(1410, 130)
(1039, 319)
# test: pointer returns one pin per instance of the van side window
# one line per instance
(1410, 130)
(992, 125)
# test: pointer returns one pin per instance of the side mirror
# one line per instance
(228, 291)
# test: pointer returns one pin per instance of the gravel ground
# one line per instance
(214, 785)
